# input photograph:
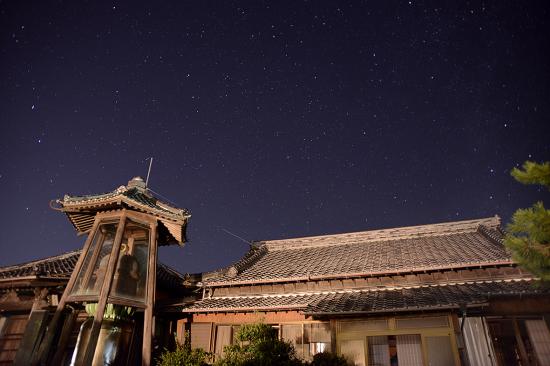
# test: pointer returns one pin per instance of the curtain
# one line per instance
(223, 338)
(293, 334)
(409, 350)
(478, 342)
(440, 352)
(353, 351)
(540, 340)
(379, 351)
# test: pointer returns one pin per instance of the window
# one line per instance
(293, 333)
(439, 351)
(518, 341)
(316, 339)
(393, 350)
(129, 279)
(379, 350)
(397, 341)
(353, 351)
(92, 272)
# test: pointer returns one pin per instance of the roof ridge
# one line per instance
(377, 235)
(170, 269)
(250, 257)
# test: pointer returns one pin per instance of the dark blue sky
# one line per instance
(269, 120)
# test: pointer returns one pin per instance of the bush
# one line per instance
(259, 345)
(328, 359)
(183, 355)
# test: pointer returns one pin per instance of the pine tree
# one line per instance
(528, 236)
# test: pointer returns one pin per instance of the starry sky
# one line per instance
(269, 120)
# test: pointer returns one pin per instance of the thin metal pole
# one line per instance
(149, 171)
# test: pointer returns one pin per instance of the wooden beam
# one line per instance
(148, 329)
(519, 341)
(64, 337)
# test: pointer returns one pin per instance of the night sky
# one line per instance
(269, 120)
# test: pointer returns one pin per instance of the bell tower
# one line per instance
(115, 276)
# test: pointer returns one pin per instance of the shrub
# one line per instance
(258, 345)
(328, 359)
(183, 355)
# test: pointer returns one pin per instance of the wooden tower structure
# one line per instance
(115, 276)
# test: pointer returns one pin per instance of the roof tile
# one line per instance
(362, 254)
(374, 300)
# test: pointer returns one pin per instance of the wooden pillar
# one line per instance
(333, 336)
(64, 337)
(148, 321)
(519, 341)
(105, 288)
(44, 351)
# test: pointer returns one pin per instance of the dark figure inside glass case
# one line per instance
(127, 276)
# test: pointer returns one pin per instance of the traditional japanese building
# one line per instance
(443, 294)
(439, 294)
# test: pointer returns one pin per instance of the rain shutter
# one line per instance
(540, 339)
(477, 341)
(201, 335)
(409, 350)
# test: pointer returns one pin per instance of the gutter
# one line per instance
(450, 307)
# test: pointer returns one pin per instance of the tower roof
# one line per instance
(81, 210)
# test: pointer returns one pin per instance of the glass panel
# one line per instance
(409, 350)
(293, 333)
(316, 339)
(352, 327)
(379, 351)
(90, 278)
(360, 326)
(353, 351)
(130, 276)
(439, 351)
(112, 345)
(424, 322)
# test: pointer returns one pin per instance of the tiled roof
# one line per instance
(61, 266)
(81, 210)
(402, 250)
(374, 300)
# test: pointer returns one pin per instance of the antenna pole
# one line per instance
(149, 172)
(235, 235)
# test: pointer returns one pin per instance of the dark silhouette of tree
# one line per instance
(528, 234)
